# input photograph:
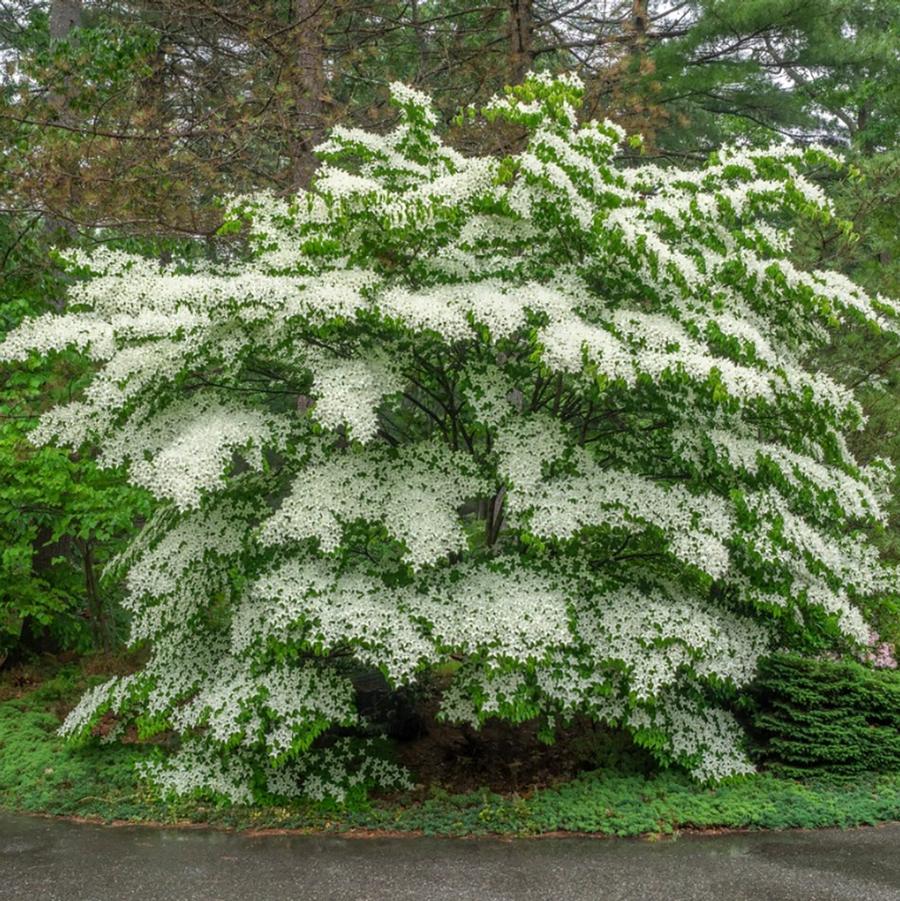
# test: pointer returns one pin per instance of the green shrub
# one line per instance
(826, 718)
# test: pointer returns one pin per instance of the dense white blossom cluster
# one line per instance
(414, 492)
(545, 416)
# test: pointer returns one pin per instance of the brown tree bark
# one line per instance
(309, 88)
(97, 610)
(521, 39)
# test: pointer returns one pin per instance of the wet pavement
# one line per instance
(45, 859)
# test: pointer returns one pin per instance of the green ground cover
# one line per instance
(40, 773)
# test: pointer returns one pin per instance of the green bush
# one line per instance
(62, 516)
(826, 718)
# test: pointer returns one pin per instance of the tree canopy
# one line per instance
(542, 417)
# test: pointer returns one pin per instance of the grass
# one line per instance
(40, 773)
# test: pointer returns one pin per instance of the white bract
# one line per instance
(546, 415)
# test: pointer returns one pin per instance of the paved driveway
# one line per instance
(45, 860)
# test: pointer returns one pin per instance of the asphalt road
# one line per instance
(45, 860)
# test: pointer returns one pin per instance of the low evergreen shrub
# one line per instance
(825, 718)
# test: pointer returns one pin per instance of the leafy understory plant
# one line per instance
(542, 417)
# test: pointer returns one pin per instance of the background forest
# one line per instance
(125, 124)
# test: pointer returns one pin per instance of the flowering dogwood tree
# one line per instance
(544, 417)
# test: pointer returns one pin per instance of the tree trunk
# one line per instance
(64, 16)
(861, 138)
(521, 39)
(419, 36)
(309, 89)
(101, 626)
(639, 20)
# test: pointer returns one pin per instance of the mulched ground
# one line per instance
(501, 756)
